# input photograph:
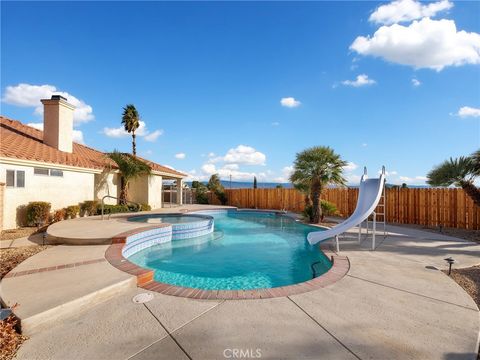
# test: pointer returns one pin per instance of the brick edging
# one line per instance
(113, 254)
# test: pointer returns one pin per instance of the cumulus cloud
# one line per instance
(142, 131)
(351, 166)
(180, 156)
(467, 111)
(231, 166)
(275, 123)
(416, 82)
(361, 80)
(153, 136)
(426, 43)
(77, 135)
(290, 102)
(286, 172)
(407, 10)
(27, 95)
(242, 154)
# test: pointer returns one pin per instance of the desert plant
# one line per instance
(113, 209)
(131, 122)
(130, 168)
(328, 209)
(254, 182)
(460, 172)
(215, 185)
(59, 215)
(72, 211)
(145, 207)
(88, 207)
(38, 213)
(314, 169)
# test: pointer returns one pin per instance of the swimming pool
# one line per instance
(246, 250)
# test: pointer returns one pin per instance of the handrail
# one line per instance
(113, 197)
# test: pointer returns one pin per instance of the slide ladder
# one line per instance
(371, 203)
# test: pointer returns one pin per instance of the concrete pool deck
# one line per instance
(393, 303)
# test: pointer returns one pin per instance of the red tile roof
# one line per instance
(24, 142)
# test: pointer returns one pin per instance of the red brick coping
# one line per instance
(145, 280)
(51, 268)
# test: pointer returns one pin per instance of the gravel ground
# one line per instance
(17, 233)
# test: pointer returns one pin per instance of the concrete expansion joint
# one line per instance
(324, 328)
(171, 333)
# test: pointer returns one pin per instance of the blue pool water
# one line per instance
(247, 250)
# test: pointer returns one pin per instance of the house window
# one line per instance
(40, 171)
(16, 178)
(56, 172)
(48, 172)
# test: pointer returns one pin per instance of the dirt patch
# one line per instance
(13, 256)
(469, 280)
(470, 235)
(17, 233)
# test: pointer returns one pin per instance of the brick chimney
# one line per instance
(58, 123)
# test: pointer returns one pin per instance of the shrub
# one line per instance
(38, 213)
(145, 207)
(328, 209)
(200, 192)
(72, 211)
(222, 196)
(88, 207)
(59, 215)
(113, 209)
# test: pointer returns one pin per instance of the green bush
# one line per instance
(38, 213)
(72, 211)
(328, 209)
(113, 209)
(200, 192)
(145, 207)
(222, 196)
(88, 207)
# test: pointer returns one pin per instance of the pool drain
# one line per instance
(142, 298)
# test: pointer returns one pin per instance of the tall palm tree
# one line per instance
(460, 172)
(131, 122)
(314, 169)
(130, 168)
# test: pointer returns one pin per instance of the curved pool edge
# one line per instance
(145, 277)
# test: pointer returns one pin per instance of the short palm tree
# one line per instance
(314, 169)
(130, 168)
(131, 122)
(460, 172)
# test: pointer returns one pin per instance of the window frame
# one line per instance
(15, 178)
(40, 168)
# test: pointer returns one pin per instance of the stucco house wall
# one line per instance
(107, 183)
(155, 193)
(74, 187)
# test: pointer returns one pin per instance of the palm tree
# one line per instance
(131, 122)
(130, 168)
(314, 169)
(460, 172)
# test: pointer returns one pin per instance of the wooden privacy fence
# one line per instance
(424, 206)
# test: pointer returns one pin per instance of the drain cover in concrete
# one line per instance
(142, 298)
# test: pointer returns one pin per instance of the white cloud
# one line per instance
(231, 166)
(388, 173)
(209, 169)
(364, 144)
(77, 135)
(211, 154)
(275, 123)
(351, 166)
(427, 43)
(416, 82)
(290, 102)
(286, 172)
(142, 131)
(407, 10)
(27, 95)
(361, 80)
(413, 180)
(180, 156)
(467, 111)
(153, 136)
(243, 154)
(353, 179)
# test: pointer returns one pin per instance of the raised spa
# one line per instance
(231, 250)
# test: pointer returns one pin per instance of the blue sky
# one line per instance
(240, 88)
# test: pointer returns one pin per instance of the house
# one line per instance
(48, 166)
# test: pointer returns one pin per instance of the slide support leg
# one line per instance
(374, 229)
(359, 232)
(338, 245)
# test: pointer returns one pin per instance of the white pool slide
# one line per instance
(370, 193)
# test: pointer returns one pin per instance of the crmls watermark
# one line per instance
(242, 353)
